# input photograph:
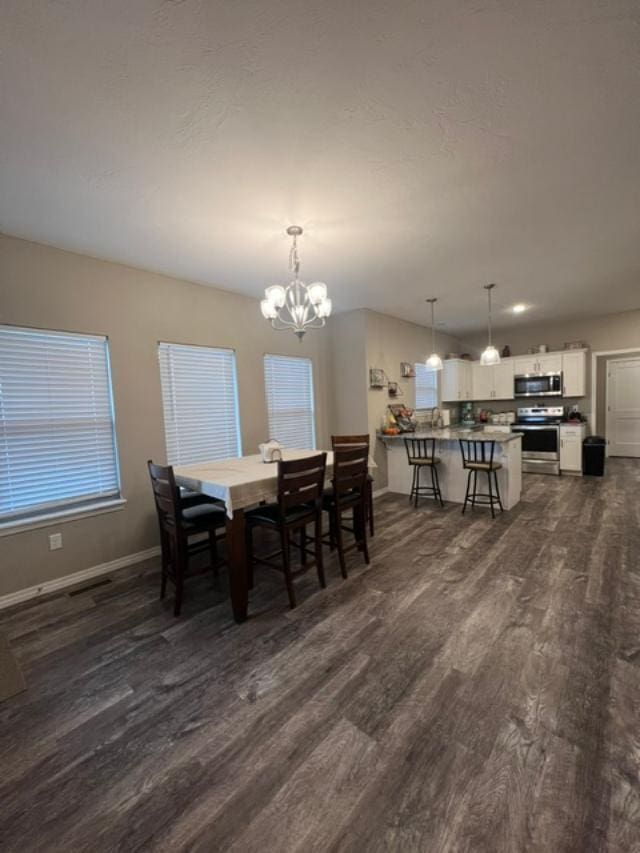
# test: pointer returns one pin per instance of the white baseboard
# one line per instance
(77, 577)
(380, 492)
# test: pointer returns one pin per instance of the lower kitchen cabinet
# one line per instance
(571, 438)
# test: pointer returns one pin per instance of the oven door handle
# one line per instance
(525, 428)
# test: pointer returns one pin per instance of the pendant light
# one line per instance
(434, 362)
(491, 355)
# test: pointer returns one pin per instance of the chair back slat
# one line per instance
(166, 495)
(301, 481)
(420, 448)
(350, 469)
(348, 440)
(477, 450)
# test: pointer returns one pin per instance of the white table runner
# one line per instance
(241, 482)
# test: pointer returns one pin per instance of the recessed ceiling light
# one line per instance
(519, 308)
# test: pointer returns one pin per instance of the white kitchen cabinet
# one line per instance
(482, 381)
(494, 382)
(456, 380)
(503, 374)
(571, 438)
(524, 364)
(574, 373)
(538, 363)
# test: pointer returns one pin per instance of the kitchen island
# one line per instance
(452, 476)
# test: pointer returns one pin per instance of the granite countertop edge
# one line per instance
(456, 433)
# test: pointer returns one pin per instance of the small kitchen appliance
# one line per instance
(540, 430)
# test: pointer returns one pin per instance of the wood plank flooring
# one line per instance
(476, 688)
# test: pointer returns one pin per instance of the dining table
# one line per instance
(240, 483)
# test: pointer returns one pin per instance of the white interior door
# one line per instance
(623, 407)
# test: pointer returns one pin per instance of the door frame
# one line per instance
(594, 380)
(606, 395)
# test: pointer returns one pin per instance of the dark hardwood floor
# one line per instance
(477, 688)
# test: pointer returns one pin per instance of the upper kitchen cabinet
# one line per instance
(456, 380)
(494, 382)
(538, 363)
(574, 373)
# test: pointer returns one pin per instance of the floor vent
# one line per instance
(86, 588)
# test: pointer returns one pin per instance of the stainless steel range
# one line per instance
(540, 428)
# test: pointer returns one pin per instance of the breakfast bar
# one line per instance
(452, 476)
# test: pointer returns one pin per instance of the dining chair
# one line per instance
(299, 504)
(421, 454)
(478, 456)
(347, 441)
(177, 524)
(349, 493)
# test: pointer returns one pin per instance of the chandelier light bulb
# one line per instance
(324, 308)
(269, 310)
(317, 292)
(276, 294)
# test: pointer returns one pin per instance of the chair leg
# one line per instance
(286, 562)
(360, 528)
(180, 567)
(495, 475)
(165, 547)
(370, 509)
(493, 512)
(475, 490)
(303, 546)
(318, 549)
(340, 542)
(332, 531)
(417, 485)
(436, 483)
(466, 494)
(413, 484)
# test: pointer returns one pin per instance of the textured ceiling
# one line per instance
(426, 147)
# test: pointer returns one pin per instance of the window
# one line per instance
(289, 386)
(200, 401)
(57, 435)
(426, 386)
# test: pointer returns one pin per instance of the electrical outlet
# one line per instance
(55, 541)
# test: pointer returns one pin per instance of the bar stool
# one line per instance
(421, 453)
(477, 455)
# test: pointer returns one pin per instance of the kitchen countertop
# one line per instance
(456, 433)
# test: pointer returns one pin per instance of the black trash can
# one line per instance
(593, 455)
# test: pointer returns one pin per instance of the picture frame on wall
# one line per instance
(377, 378)
(407, 370)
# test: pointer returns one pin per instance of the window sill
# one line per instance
(60, 517)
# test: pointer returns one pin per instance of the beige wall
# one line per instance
(608, 332)
(389, 342)
(47, 288)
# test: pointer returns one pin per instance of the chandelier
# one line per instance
(297, 306)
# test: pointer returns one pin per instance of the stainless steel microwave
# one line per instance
(538, 385)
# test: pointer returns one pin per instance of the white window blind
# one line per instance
(57, 435)
(200, 400)
(426, 386)
(289, 387)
